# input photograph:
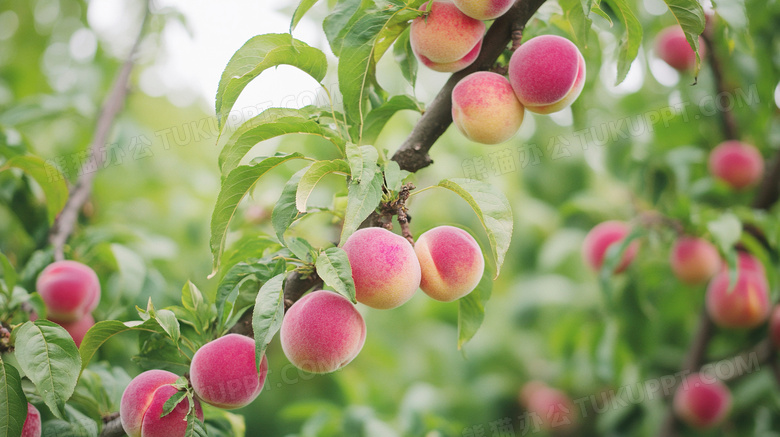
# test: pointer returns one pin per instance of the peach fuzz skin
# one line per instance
(547, 73)
(384, 267)
(322, 332)
(452, 67)
(599, 240)
(70, 290)
(672, 47)
(446, 34)
(484, 9)
(746, 306)
(485, 108)
(451, 261)
(694, 260)
(32, 423)
(738, 164)
(224, 372)
(702, 402)
(142, 405)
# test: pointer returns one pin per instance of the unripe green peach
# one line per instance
(746, 306)
(738, 164)
(79, 328)
(32, 423)
(451, 263)
(485, 108)
(673, 48)
(445, 35)
(384, 267)
(224, 372)
(69, 289)
(694, 260)
(142, 405)
(601, 238)
(484, 9)
(701, 402)
(322, 332)
(550, 408)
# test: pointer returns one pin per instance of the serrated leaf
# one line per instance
(103, 331)
(338, 22)
(49, 357)
(169, 323)
(378, 117)
(257, 55)
(234, 188)
(362, 199)
(268, 313)
(631, 39)
(48, 177)
(492, 208)
(405, 58)
(285, 212)
(173, 402)
(195, 427)
(471, 309)
(300, 11)
(13, 402)
(690, 15)
(313, 175)
(334, 269)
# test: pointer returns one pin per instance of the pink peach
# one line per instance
(445, 34)
(702, 402)
(69, 289)
(485, 108)
(550, 409)
(673, 48)
(738, 164)
(484, 9)
(79, 328)
(451, 262)
(32, 423)
(601, 238)
(451, 67)
(694, 260)
(746, 306)
(142, 405)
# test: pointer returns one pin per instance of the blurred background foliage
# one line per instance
(145, 230)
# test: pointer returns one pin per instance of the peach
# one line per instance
(746, 306)
(445, 35)
(550, 408)
(78, 329)
(484, 9)
(451, 262)
(485, 108)
(322, 332)
(142, 405)
(451, 67)
(702, 402)
(69, 289)
(748, 262)
(694, 260)
(32, 423)
(384, 267)
(224, 372)
(601, 238)
(672, 47)
(774, 327)
(547, 73)
(738, 164)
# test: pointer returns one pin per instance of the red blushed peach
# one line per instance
(672, 47)
(702, 402)
(451, 67)
(142, 405)
(451, 261)
(485, 108)
(551, 409)
(484, 9)
(694, 260)
(445, 34)
(601, 238)
(69, 289)
(32, 423)
(746, 306)
(322, 332)
(738, 164)
(547, 73)
(78, 329)
(750, 263)
(224, 373)
(384, 267)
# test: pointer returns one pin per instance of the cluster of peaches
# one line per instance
(546, 74)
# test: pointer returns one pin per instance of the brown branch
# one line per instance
(413, 153)
(730, 126)
(65, 222)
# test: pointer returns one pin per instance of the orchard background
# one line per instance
(107, 160)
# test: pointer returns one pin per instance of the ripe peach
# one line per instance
(550, 408)
(547, 73)
(702, 402)
(485, 108)
(79, 328)
(750, 263)
(32, 423)
(451, 262)
(69, 289)
(746, 306)
(224, 372)
(484, 9)
(384, 267)
(445, 35)
(601, 238)
(142, 405)
(322, 332)
(694, 260)
(672, 47)
(451, 67)
(738, 164)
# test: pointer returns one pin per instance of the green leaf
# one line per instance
(257, 55)
(47, 176)
(102, 331)
(362, 162)
(300, 11)
(301, 249)
(195, 427)
(362, 199)
(268, 313)
(405, 57)
(191, 297)
(471, 309)
(9, 274)
(313, 175)
(690, 15)
(234, 188)
(631, 40)
(338, 22)
(577, 12)
(378, 117)
(13, 402)
(492, 208)
(169, 323)
(285, 212)
(272, 123)
(726, 230)
(173, 402)
(49, 357)
(334, 269)
(393, 176)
